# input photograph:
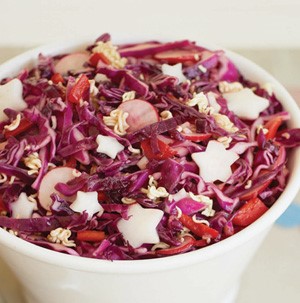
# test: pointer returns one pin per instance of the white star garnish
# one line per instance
(245, 104)
(214, 163)
(22, 208)
(11, 97)
(109, 146)
(87, 202)
(141, 225)
(174, 71)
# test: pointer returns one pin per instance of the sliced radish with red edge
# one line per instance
(141, 113)
(73, 62)
(49, 181)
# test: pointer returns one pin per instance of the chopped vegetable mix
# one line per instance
(148, 150)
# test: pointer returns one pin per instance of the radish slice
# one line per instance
(73, 62)
(54, 176)
(178, 56)
(141, 113)
(138, 49)
(152, 47)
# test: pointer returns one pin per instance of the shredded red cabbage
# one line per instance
(156, 126)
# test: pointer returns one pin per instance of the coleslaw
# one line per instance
(138, 151)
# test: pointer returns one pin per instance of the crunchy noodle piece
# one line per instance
(101, 78)
(61, 236)
(248, 184)
(202, 68)
(261, 128)
(166, 114)
(33, 162)
(225, 141)
(202, 102)
(127, 200)
(14, 124)
(133, 150)
(12, 179)
(179, 212)
(117, 119)
(128, 96)
(153, 192)
(111, 53)
(3, 178)
(202, 221)
(186, 128)
(225, 123)
(209, 211)
(160, 245)
(93, 88)
(230, 87)
(286, 135)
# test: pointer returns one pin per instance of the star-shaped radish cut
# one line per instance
(109, 146)
(174, 71)
(11, 97)
(22, 208)
(245, 104)
(214, 163)
(87, 202)
(140, 227)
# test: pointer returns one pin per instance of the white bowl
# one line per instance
(209, 275)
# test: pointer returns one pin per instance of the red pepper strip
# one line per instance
(185, 246)
(165, 150)
(79, 89)
(57, 78)
(2, 205)
(71, 162)
(249, 212)
(23, 126)
(178, 56)
(94, 59)
(197, 137)
(199, 229)
(90, 235)
(101, 196)
(272, 127)
(200, 243)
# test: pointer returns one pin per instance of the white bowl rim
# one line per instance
(14, 65)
